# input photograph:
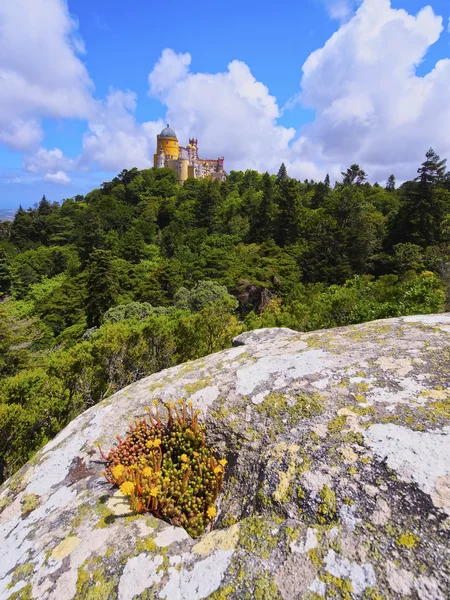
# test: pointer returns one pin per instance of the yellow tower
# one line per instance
(168, 142)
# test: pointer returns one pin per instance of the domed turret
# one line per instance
(168, 132)
(166, 142)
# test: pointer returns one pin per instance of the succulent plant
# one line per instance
(168, 469)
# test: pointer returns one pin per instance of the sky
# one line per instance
(86, 85)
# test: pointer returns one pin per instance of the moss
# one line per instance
(326, 513)
(95, 586)
(22, 573)
(29, 503)
(362, 387)
(408, 540)
(353, 437)
(316, 558)
(223, 593)
(146, 545)
(229, 520)
(191, 388)
(352, 470)
(83, 511)
(255, 537)
(107, 516)
(278, 407)
(372, 594)
(24, 594)
(5, 501)
(337, 424)
(362, 411)
(342, 588)
(265, 588)
(283, 490)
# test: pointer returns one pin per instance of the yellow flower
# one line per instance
(211, 512)
(127, 488)
(184, 458)
(157, 443)
(218, 469)
(147, 472)
(117, 471)
(154, 491)
(223, 462)
(149, 444)
(180, 401)
(189, 403)
(196, 454)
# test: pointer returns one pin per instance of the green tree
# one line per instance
(354, 175)
(432, 170)
(390, 184)
(282, 173)
(101, 286)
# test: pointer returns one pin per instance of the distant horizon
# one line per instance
(86, 90)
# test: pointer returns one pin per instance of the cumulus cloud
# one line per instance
(59, 177)
(48, 160)
(231, 113)
(116, 140)
(371, 106)
(40, 72)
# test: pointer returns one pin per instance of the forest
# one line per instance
(98, 291)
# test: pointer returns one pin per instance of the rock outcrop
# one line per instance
(337, 483)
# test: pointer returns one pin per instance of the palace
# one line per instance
(185, 161)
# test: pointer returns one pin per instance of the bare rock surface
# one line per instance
(337, 483)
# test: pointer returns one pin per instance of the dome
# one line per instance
(168, 133)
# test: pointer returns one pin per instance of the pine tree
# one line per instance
(102, 286)
(44, 207)
(390, 184)
(5, 277)
(282, 173)
(262, 227)
(432, 170)
(353, 175)
(327, 180)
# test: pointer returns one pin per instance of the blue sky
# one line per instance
(318, 84)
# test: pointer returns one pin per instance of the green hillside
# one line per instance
(142, 274)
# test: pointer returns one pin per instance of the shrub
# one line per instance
(168, 470)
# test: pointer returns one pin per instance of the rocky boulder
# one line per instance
(337, 483)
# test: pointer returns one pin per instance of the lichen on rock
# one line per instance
(337, 482)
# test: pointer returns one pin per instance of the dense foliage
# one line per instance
(141, 274)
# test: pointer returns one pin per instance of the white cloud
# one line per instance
(115, 140)
(341, 10)
(59, 177)
(40, 74)
(370, 105)
(48, 160)
(231, 113)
